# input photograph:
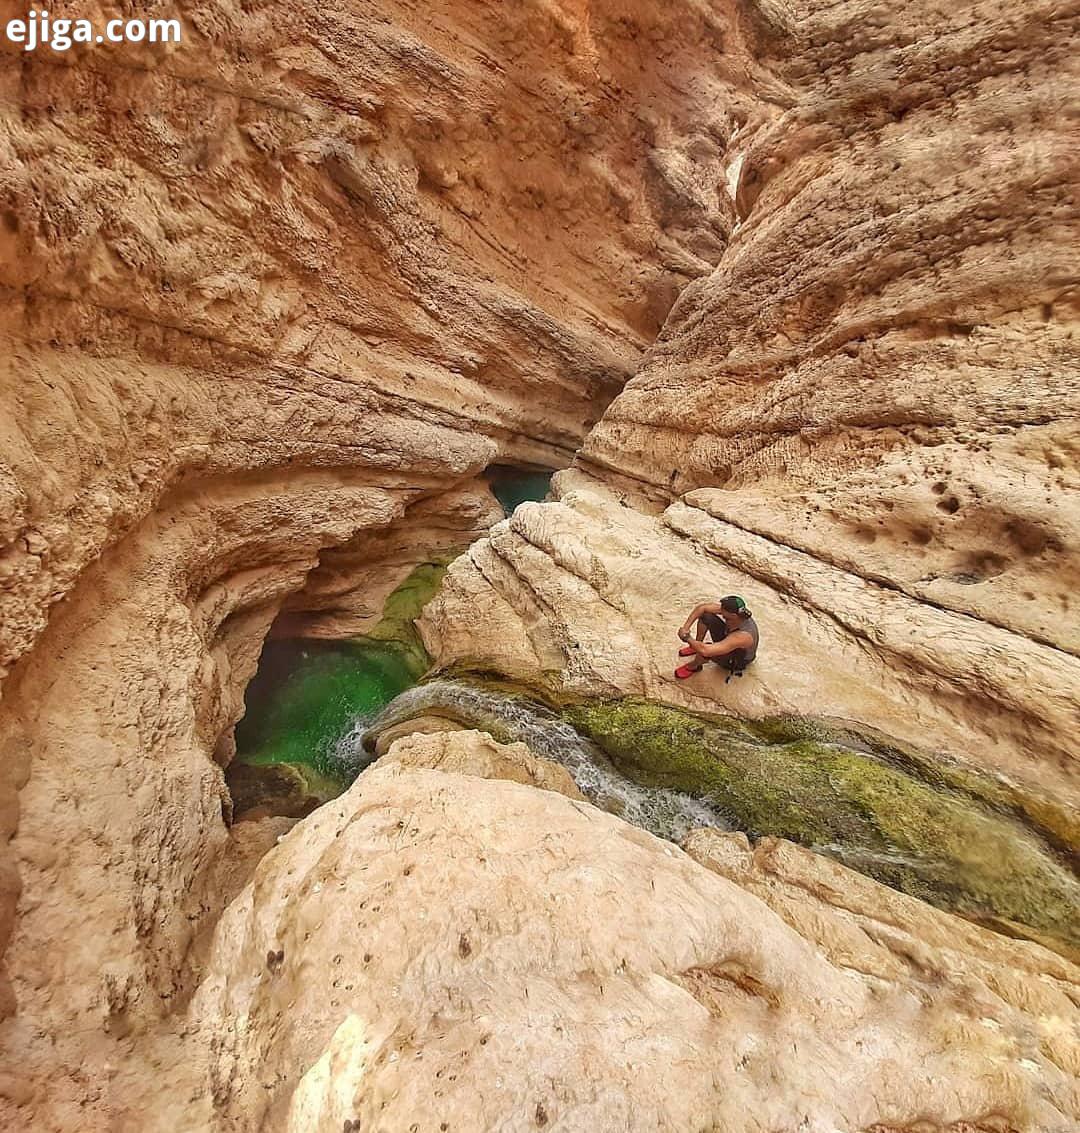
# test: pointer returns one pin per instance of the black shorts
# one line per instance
(715, 625)
(735, 661)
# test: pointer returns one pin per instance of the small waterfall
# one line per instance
(665, 813)
(908, 818)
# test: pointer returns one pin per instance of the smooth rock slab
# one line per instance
(435, 951)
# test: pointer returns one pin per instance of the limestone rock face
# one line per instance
(883, 370)
(572, 971)
(863, 419)
(303, 243)
(586, 594)
(468, 752)
(270, 302)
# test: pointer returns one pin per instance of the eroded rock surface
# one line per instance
(469, 752)
(586, 595)
(273, 301)
(863, 419)
(883, 370)
(570, 970)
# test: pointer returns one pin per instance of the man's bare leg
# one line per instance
(695, 662)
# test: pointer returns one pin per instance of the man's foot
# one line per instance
(685, 671)
(687, 651)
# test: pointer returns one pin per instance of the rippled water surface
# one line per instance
(307, 695)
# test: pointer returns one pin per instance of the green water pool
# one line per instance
(512, 486)
(308, 695)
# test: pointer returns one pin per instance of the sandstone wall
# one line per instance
(864, 419)
(375, 236)
(883, 370)
(270, 302)
(585, 595)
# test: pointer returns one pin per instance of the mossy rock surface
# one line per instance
(927, 829)
(286, 789)
(397, 627)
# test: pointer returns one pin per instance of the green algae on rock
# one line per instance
(397, 627)
(942, 837)
(970, 842)
(287, 789)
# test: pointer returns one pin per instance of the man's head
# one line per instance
(733, 610)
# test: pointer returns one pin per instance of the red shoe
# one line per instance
(685, 671)
(687, 651)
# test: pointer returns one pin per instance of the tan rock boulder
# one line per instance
(860, 925)
(425, 725)
(436, 949)
(586, 595)
(469, 752)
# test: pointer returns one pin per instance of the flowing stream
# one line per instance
(964, 840)
(974, 844)
(666, 813)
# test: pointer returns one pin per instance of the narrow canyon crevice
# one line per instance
(781, 294)
(259, 376)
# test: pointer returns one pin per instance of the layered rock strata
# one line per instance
(585, 595)
(863, 419)
(883, 371)
(571, 971)
(271, 301)
(274, 300)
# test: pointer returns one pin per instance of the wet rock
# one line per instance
(476, 753)
(273, 789)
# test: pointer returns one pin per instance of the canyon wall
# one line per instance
(285, 289)
(271, 302)
(864, 419)
(883, 370)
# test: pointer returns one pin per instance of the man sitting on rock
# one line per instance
(734, 636)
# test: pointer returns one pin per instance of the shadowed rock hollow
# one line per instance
(272, 302)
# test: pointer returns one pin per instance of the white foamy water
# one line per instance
(666, 813)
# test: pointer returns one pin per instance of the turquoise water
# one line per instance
(513, 486)
(307, 695)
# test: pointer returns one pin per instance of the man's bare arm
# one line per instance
(696, 612)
